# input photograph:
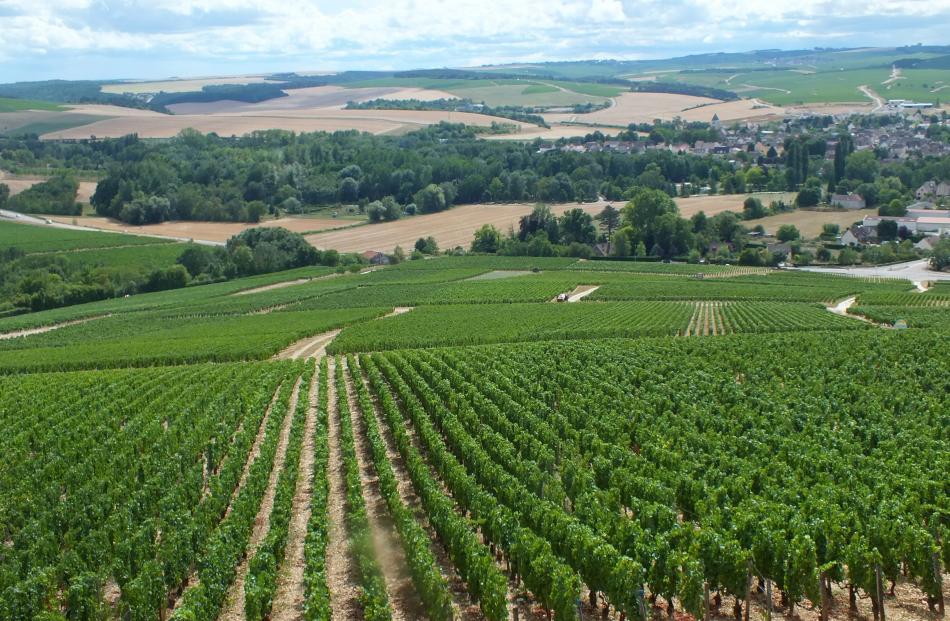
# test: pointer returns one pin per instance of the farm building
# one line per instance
(914, 224)
(848, 201)
(376, 258)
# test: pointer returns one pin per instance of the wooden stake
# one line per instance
(705, 601)
(938, 576)
(768, 600)
(880, 591)
(748, 589)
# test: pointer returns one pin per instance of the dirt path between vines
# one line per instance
(342, 576)
(234, 604)
(399, 310)
(582, 291)
(841, 308)
(291, 592)
(310, 347)
(42, 329)
(283, 284)
(465, 608)
(404, 602)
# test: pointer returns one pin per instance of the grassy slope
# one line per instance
(30, 238)
(57, 123)
(822, 78)
(139, 257)
(16, 105)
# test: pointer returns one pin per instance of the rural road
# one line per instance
(878, 102)
(914, 271)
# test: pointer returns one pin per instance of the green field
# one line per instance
(138, 257)
(17, 105)
(923, 85)
(30, 238)
(46, 123)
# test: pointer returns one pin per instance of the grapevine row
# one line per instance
(373, 598)
(228, 542)
(260, 584)
(485, 582)
(430, 585)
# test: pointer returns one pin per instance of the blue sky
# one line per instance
(100, 39)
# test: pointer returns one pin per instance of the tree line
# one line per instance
(196, 177)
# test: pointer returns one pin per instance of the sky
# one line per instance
(153, 39)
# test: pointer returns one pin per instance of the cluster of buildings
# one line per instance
(923, 218)
(928, 224)
(907, 104)
(901, 140)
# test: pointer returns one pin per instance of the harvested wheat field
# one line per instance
(167, 126)
(530, 132)
(202, 231)
(454, 227)
(645, 107)
(234, 124)
(718, 203)
(303, 110)
(809, 223)
(308, 101)
(182, 86)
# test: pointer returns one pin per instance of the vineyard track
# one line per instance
(405, 603)
(399, 310)
(234, 604)
(841, 308)
(582, 291)
(251, 457)
(465, 608)
(342, 574)
(43, 329)
(310, 347)
(282, 285)
(270, 309)
(290, 596)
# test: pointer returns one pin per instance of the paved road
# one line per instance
(914, 271)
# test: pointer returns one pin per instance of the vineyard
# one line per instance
(468, 449)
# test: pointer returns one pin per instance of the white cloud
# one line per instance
(413, 33)
(607, 10)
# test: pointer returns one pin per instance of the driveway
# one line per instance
(914, 271)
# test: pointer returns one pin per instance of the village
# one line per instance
(898, 136)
